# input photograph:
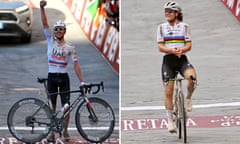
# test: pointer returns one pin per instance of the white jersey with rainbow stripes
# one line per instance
(58, 55)
(173, 36)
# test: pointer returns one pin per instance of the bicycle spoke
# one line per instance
(26, 127)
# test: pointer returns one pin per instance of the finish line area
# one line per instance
(156, 123)
(137, 108)
(59, 140)
(73, 140)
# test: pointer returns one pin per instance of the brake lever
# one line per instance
(99, 86)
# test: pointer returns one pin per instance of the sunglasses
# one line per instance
(59, 29)
(169, 11)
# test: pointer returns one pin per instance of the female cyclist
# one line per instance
(173, 38)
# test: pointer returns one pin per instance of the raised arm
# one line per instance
(43, 3)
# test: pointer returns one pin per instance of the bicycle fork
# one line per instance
(92, 115)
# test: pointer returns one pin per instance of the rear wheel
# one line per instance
(29, 120)
(95, 120)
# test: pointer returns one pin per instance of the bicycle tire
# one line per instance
(179, 125)
(183, 119)
(24, 120)
(95, 131)
(177, 112)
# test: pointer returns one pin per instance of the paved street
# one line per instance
(214, 54)
(21, 64)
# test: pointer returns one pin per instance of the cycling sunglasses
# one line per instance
(169, 11)
(59, 29)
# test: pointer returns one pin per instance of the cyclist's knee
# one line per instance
(190, 72)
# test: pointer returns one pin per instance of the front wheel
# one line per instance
(183, 117)
(29, 120)
(95, 120)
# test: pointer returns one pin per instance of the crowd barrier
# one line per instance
(233, 6)
(91, 19)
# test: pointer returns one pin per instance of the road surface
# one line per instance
(215, 55)
(21, 64)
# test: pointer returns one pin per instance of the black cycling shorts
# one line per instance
(59, 81)
(172, 64)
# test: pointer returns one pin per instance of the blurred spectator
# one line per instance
(112, 11)
(101, 13)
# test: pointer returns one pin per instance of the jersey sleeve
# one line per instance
(160, 34)
(187, 33)
(74, 54)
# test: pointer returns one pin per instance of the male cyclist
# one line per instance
(59, 52)
(174, 41)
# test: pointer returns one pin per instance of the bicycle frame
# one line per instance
(81, 97)
(94, 117)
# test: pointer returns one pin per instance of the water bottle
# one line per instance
(64, 109)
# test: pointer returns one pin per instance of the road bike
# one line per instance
(30, 119)
(179, 110)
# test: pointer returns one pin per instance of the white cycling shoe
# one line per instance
(172, 128)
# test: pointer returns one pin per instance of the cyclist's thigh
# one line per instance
(187, 69)
(52, 88)
(168, 69)
(168, 73)
(65, 86)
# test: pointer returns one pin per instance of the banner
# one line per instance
(90, 15)
(191, 122)
(233, 6)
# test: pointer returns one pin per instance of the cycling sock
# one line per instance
(189, 95)
(169, 114)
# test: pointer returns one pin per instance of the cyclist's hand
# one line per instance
(178, 52)
(43, 3)
(84, 83)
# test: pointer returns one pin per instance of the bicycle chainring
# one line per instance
(30, 121)
(58, 125)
